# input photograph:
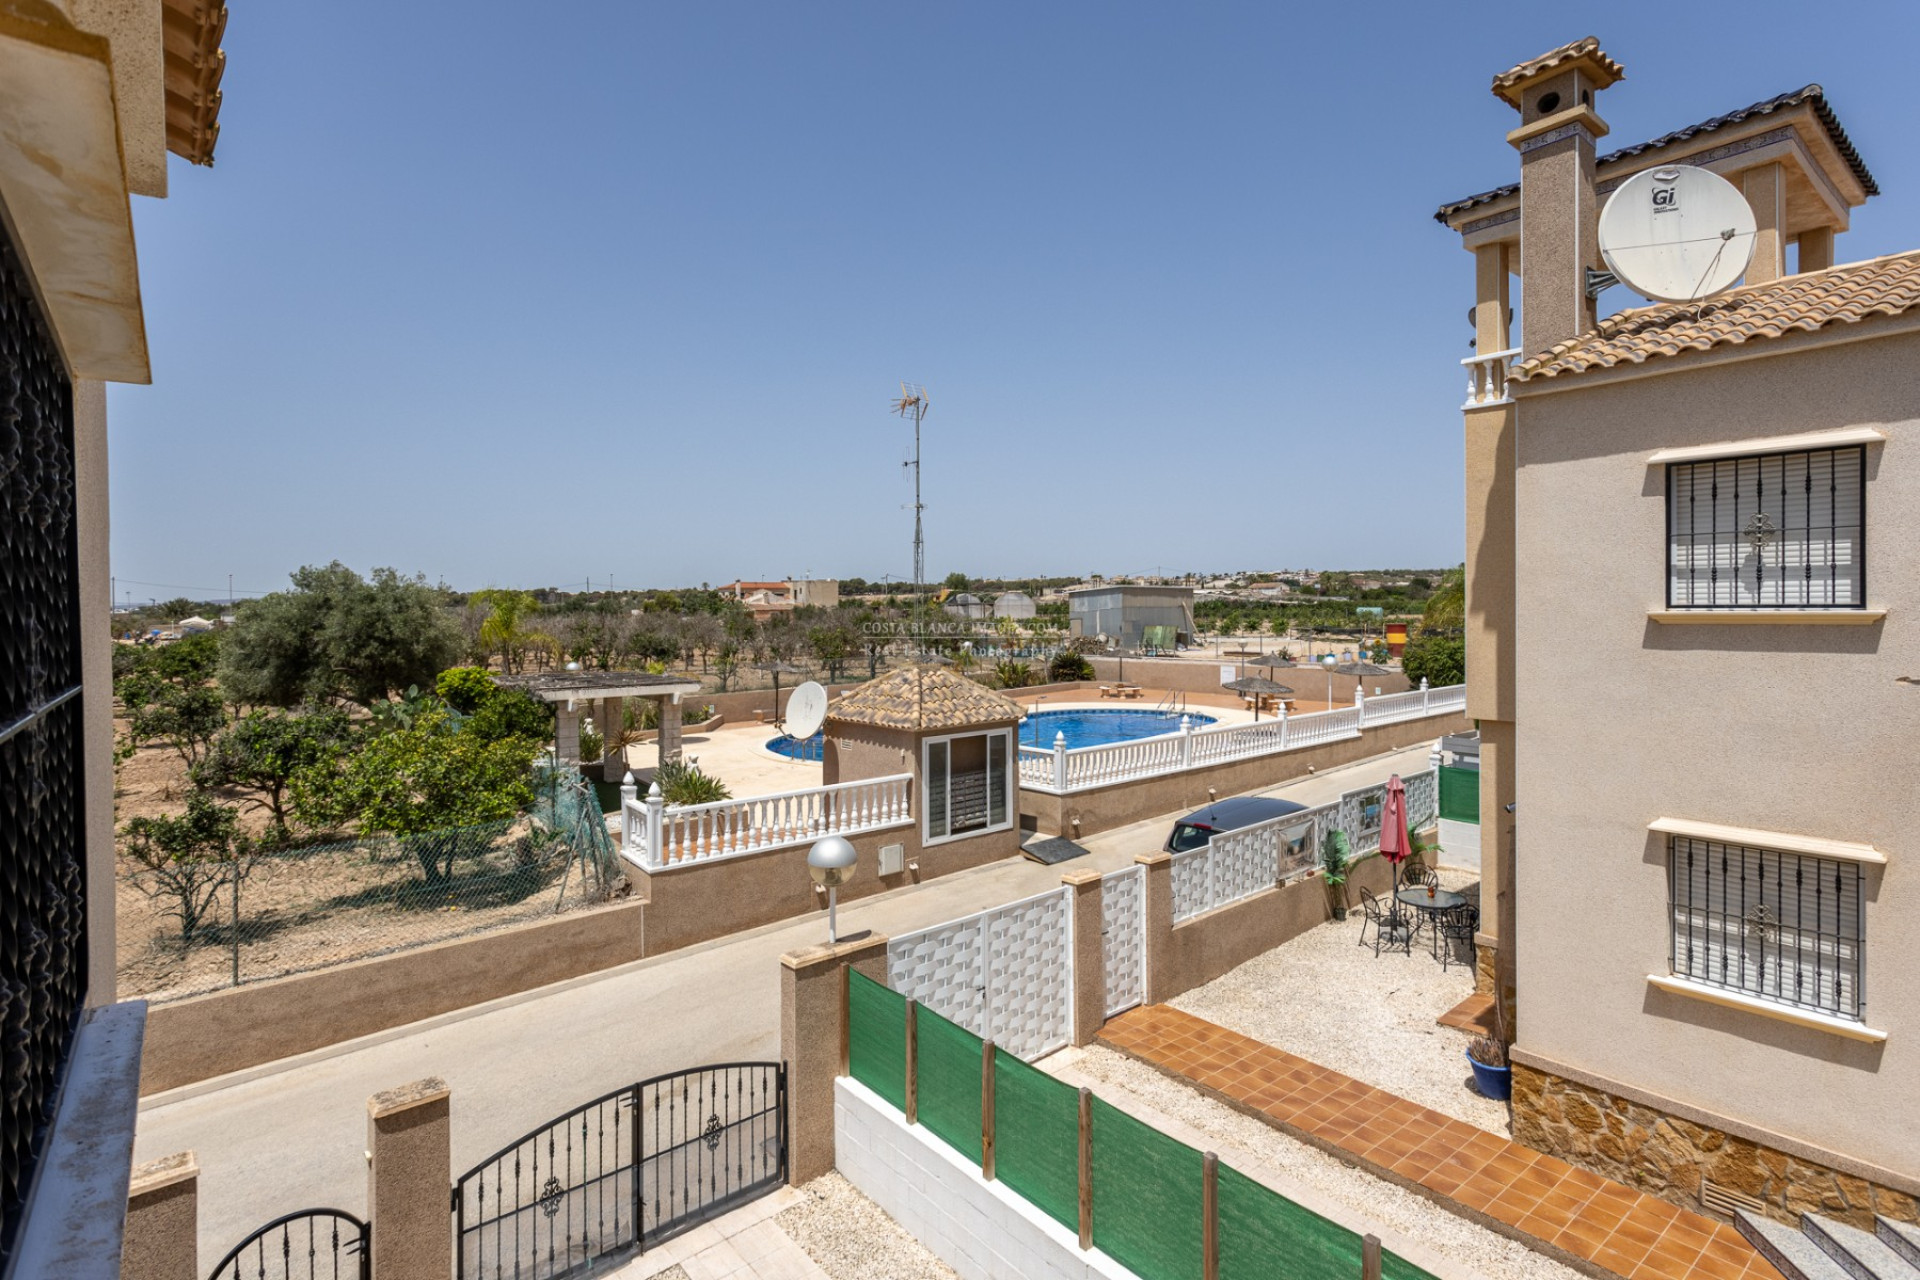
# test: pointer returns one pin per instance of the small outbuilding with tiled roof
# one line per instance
(956, 737)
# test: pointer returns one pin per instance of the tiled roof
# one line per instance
(1887, 286)
(1587, 48)
(923, 698)
(1812, 94)
(194, 65)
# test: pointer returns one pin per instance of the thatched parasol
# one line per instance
(1259, 686)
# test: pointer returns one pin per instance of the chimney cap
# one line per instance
(1585, 53)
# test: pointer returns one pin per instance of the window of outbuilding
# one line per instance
(968, 784)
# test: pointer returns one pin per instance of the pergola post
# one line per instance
(609, 720)
(566, 732)
(669, 728)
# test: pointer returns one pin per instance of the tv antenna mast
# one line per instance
(913, 404)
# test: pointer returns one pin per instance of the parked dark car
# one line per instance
(1231, 814)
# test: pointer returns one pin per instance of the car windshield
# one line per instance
(1189, 835)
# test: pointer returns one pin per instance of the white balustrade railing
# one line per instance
(1240, 863)
(659, 836)
(1487, 378)
(1061, 770)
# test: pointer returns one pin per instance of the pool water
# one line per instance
(813, 748)
(1095, 728)
(1089, 728)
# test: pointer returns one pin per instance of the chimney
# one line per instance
(1559, 212)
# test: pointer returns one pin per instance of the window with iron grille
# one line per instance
(43, 936)
(1768, 531)
(1783, 927)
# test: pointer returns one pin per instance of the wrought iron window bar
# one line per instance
(1768, 531)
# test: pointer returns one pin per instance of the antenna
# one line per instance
(1677, 233)
(913, 404)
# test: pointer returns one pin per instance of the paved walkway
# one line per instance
(746, 1244)
(292, 1134)
(1535, 1198)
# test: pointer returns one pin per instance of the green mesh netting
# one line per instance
(1265, 1236)
(1459, 794)
(1036, 1138)
(1146, 1197)
(949, 1070)
(877, 1038)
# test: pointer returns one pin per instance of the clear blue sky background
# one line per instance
(523, 296)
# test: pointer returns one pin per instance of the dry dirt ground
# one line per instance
(313, 907)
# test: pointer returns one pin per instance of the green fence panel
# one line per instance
(949, 1069)
(877, 1038)
(1265, 1236)
(1459, 794)
(1146, 1197)
(1036, 1137)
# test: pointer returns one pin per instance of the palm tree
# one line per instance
(503, 629)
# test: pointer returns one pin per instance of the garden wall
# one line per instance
(206, 1036)
(1117, 805)
(1202, 675)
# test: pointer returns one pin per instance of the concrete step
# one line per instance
(1860, 1255)
(1795, 1256)
(1901, 1237)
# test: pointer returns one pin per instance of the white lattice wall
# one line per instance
(1123, 900)
(1005, 975)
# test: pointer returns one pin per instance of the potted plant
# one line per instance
(1335, 858)
(1492, 1074)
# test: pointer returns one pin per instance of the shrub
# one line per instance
(1012, 673)
(1069, 666)
(1439, 659)
(682, 782)
(465, 689)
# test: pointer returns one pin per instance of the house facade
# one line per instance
(1704, 919)
(93, 98)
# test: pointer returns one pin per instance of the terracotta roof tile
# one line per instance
(1887, 286)
(1812, 94)
(923, 698)
(1588, 48)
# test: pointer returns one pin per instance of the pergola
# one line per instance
(572, 692)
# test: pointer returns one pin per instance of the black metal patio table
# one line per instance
(1416, 896)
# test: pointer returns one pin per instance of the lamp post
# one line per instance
(1328, 661)
(830, 862)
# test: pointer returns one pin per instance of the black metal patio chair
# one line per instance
(1389, 926)
(1458, 925)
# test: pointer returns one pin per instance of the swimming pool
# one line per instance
(1092, 727)
(1099, 727)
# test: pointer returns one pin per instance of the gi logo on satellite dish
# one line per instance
(1666, 199)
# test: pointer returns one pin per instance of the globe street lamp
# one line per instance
(1328, 661)
(830, 862)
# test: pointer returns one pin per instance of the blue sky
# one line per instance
(625, 292)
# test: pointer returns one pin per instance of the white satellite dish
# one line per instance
(1677, 233)
(806, 710)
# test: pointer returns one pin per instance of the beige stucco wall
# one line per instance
(1784, 728)
(96, 677)
(206, 1036)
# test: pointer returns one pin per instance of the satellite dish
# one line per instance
(1677, 233)
(806, 710)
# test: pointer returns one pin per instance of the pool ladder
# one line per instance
(1175, 703)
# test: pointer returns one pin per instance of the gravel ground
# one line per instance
(851, 1238)
(1333, 1002)
(1240, 1139)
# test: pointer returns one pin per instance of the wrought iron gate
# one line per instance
(313, 1244)
(632, 1168)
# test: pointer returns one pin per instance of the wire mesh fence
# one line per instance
(193, 927)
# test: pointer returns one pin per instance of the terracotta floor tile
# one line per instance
(1666, 1262)
(1618, 1260)
(1583, 1238)
(1694, 1234)
(1642, 1235)
(1560, 1202)
(1479, 1191)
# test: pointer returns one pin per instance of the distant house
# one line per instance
(764, 599)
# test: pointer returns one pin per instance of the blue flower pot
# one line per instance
(1494, 1082)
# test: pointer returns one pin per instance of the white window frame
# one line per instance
(927, 839)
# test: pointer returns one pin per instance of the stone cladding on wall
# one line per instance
(1669, 1157)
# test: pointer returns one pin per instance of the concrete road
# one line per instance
(291, 1135)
